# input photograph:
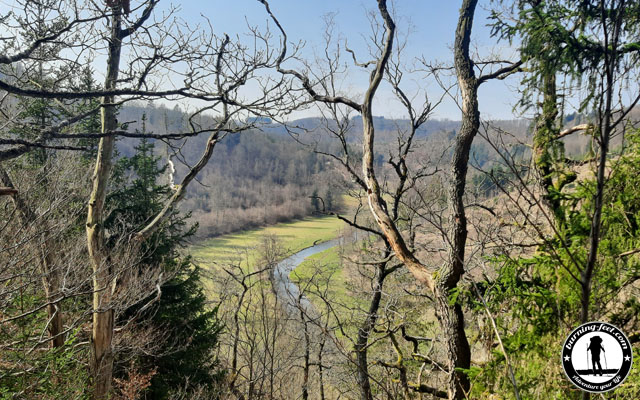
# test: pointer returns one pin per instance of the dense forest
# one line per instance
(190, 214)
(260, 177)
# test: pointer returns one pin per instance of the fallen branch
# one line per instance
(4, 191)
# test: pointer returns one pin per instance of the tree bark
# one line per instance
(103, 277)
(449, 312)
(364, 332)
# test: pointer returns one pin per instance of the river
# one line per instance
(287, 291)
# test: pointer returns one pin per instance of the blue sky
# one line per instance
(433, 26)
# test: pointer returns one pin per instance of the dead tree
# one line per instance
(103, 314)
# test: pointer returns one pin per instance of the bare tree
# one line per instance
(449, 313)
(51, 277)
(217, 69)
(264, 346)
(44, 277)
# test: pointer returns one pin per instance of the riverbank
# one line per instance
(242, 246)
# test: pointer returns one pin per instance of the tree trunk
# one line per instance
(103, 277)
(321, 369)
(363, 336)
(545, 137)
(605, 130)
(7, 191)
(51, 282)
(449, 312)
(50, 274)
(307, 354)
(458, 352)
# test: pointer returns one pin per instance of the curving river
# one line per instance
(287, 291)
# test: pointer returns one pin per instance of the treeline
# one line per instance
(263, 176)
(257, 179)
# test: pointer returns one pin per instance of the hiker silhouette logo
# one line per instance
(597, 357)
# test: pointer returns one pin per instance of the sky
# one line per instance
(432, 25)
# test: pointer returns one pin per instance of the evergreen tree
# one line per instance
(191, 327)
(328, 200)
(580, 269)
(315, 201)
(91, 124)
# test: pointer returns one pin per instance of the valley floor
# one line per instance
(242, 246)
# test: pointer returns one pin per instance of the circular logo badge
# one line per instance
(597, 357)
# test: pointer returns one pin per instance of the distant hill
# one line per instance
(384, 126)
(264, 176)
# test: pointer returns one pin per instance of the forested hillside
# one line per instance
(273, 172)
(255, 178)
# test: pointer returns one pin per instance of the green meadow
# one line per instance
(326, 269)
(243, 246)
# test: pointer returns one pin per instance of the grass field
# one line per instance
(329, 258)
(325, 268)
(241, 246)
